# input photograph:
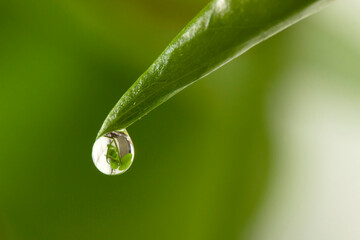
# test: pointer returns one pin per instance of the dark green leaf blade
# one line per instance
(223, 30)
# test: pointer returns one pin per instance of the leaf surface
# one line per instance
(222, 31)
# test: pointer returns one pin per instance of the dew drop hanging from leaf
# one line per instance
(222, 31)
(113, 153)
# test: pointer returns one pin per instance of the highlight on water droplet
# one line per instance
(113, 153)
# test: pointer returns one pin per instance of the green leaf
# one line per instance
(223, 30)
(114, 165)
(125, 161)
(112, 155)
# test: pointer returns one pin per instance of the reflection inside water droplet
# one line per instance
(113, 153)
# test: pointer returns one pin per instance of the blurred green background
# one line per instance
(264, 148)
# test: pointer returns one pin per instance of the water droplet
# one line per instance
(113, 153)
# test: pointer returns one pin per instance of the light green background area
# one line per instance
(268, 141)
